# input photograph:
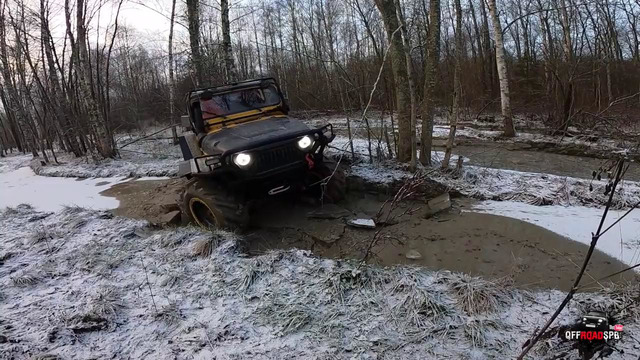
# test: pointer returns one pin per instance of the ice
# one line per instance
(365, 223)
(577, 223)
(23, 186)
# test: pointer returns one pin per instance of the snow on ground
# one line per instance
(538, 189)
(577, 223)
(23, 186)
(468, 129)
(499, 184)
(84, 284)
(143, 158)
(14, 161)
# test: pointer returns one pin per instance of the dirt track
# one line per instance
(457, 240)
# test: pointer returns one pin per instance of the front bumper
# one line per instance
(272, 157)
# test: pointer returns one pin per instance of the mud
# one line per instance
(146, 199)
(487, 245)
(491, 246)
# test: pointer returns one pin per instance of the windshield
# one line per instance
(239, 101)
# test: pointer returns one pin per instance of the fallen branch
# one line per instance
(147, 136)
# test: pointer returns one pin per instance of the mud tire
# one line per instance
(335, 190)
(209, 204)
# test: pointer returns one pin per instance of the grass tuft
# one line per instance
(475, 295)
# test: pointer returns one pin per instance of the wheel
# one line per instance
(331, 191)
(211, 205)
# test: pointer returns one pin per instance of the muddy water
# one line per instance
(146, 199)
(501, 156)
(479, 244)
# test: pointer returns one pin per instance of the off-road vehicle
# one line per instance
(241, 146)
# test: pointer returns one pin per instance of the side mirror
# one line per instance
(285, 105)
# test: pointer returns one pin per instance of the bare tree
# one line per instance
(387, 9)
(457, 92)
(230, 67)
(503, 75)
(193, 18)
(430, 77)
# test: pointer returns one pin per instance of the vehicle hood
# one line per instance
(252, 134)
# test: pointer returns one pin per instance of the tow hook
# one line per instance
(310, 161)
(278, 190)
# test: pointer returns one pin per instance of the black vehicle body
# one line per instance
(268, 135)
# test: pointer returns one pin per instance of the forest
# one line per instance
(70, 84)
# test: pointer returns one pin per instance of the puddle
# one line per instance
(488, 245)
(23, 186)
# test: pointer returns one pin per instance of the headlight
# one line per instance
(305, 142)
(242, 159)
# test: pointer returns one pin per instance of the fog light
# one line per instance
(242, 159)
(305, 142)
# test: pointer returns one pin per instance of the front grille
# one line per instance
(273, 158)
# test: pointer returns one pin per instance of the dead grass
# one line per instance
(478, 330)
(475, 295)
(204, 247)
(170, 313)
(106, 302)
(25, 278)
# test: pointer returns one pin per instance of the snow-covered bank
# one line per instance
(94, 285)
(528, 130)
(23, 186)
(146, 157)
(577, 223)
(14, 161)
(508, 185)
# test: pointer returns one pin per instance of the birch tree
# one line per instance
(193, 19)
(503, 75)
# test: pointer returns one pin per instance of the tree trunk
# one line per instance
(172, 80)
(103, 141)
(503, 75)
(430, 74)
(412, 95)
(457, 92)
(399, 67)
(193, 17)
(229, 63)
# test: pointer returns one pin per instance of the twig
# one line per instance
(149, 284)
(204, 327)
(594, 240)
(620, 218)
(609, 276)
(410, 188)
(147, 136)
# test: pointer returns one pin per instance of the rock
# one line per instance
(171, 218)
(329, 211)
(438, 204)
(413, 255)
(168, 207)
(362, 223)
